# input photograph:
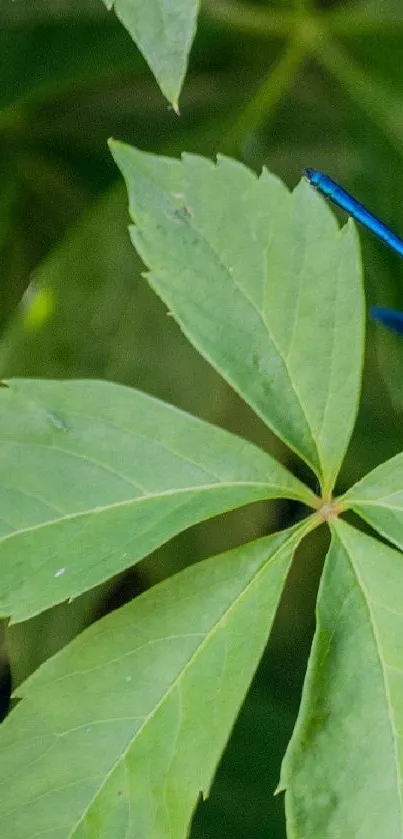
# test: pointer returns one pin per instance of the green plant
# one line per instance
(119, 733)
(268, 288)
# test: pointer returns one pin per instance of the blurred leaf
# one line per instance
(378, 498)
(390, 358)
(266, 287)
(103, 321)
(40, 61)
(29, 644)
(343, 769)
(177, 662)
(163, 31)
(95, 476)
(13, 259)
(18, 11)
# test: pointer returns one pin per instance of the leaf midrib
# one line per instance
(145, 498)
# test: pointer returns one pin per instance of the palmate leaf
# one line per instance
(163, 31)
(265, 286)
(118, 734)
(343, 770)
(378, 498)
(94, 476)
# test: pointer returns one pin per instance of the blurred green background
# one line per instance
(281, 84)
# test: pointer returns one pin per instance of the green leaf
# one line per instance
(94, 476)
(378, 499)
(343, 768)
(119, 733)
(265, 286)
(163, 31)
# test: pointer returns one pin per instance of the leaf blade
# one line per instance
(163, 32)
(343, 770)
(378, 499)
(93, 476)
(241, 263)
(153, 746)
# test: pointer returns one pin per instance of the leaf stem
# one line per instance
(370, 96)
(342, 22)
(267, 96)
(302, 6)
(251, 20)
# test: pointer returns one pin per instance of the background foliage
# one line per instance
(288, 84)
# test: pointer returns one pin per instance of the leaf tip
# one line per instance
(282, 783)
